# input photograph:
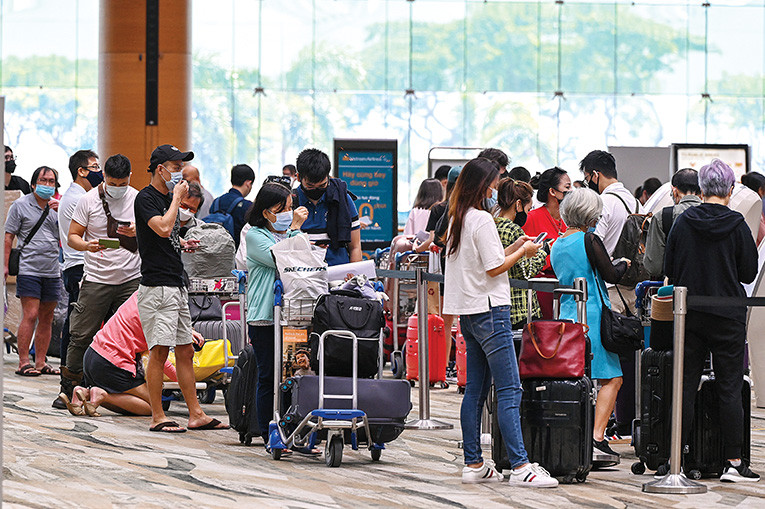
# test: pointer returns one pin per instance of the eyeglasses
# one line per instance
(93, 167)
(51, 182)
(10, 158)
(279, 179)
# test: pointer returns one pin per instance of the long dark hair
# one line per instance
(469, 192)
(269, 195)
(431, 192)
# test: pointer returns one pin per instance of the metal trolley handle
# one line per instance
(354, 395)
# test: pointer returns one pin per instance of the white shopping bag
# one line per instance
(301, 267)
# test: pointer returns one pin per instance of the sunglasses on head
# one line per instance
(279, 179)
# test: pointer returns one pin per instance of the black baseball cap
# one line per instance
(165, 153)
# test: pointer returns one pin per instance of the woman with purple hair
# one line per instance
(711, 251)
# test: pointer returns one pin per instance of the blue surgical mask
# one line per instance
(45, 192)
(283, 220)
(175, 178)
(591, 229)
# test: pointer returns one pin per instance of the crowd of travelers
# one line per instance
(131, 297)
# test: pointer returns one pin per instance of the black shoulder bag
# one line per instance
(14, 257)
(620, 334)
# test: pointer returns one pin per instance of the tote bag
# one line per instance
(301, 267)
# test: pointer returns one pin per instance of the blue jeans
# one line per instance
(490, 353)
(262, 340)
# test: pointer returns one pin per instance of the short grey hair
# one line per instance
(716, 179)
(581, 207)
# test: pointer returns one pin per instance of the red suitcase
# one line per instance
(461, 362)
(436, 350)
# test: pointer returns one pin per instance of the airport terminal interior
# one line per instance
(395, 95)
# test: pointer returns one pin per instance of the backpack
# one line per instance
(241, 398)
(666, 220)
(631, 245)
(347, 310)
(223, 218)
(215, 256)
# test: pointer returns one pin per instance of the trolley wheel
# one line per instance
(333, 452)
(376, 453)
(166, 404)
(276, 454)
(206, 396)
(694, 474)
(461, 389)
(569, 479)
(638, 468)
(581, 477)
(398, 365)
(411, 382)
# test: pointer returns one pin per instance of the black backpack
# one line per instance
(631, 244)
(241, 397)
(347, 310)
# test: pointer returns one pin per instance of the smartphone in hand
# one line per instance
(540, 237)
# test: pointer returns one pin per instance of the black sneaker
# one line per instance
(603, 447)
(741, 473)
(661, 471)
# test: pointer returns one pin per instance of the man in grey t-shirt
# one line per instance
(38, 282)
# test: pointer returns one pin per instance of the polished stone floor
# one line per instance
(51, 459)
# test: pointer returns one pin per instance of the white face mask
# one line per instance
(185, 214)
(116, 192)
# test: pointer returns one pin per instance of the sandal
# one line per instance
(168, 427)
(48, 370)
(83, 395)
(27, 370)
(75, 410)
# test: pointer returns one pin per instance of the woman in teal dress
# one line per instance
(573, 256)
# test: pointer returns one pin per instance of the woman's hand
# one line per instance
(299, 215)
(530, 249)
(518, 244)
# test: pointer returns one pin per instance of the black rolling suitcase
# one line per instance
(241, 397)
(651, 435)
(705, 457)
(386, 403)
(557, 420)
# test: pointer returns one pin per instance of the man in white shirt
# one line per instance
(86, 174)
(111, 274)
(599, 168)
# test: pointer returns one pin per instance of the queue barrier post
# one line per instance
(675, 483)
(424, 422)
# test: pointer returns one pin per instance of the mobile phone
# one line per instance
(109, 243)
(540, 237)
(422, 236)
(123, 223)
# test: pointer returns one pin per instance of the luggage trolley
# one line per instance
(334, 421)
(231, 290)
(403, 304)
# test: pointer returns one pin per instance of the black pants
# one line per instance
(72, 278)
(726, 339)
(262, 340)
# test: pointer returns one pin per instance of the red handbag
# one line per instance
(553, 349)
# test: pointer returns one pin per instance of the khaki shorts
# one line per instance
(165, 316)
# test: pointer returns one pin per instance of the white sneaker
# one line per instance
(484, 473)
(533, 476)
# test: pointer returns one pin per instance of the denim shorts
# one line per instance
(44, 288)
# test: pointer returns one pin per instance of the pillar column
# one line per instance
(122, 84)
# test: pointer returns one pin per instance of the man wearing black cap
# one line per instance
(163, 299)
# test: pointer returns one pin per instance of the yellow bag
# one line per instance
(209, 360)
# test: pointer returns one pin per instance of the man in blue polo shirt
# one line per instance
(333, 221)
(233, 203)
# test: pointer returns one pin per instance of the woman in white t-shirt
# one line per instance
(476, 288)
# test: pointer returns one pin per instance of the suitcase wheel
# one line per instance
(333, 452)
(166, 404)
(638, 468)
(276, 454)
(206, 396)
(397, 365)
(694, 474)
(461, 389)
(411, 382)
(581, 477)
(376, 453)
(568, 479)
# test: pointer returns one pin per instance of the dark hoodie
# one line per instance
(711, 251)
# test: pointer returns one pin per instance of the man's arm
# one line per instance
(8, 245)
(163, 225)
(76, 241)
(354, 248)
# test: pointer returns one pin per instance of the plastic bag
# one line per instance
(301, 267)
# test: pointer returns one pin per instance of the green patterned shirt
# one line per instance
(525, 269)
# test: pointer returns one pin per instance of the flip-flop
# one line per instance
(213, 424)
(307, 451)
(75, 410)
(162, 427)
(27, 370)
(48, 370)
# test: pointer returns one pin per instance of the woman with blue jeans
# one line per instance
(476, 288)
(272, 219)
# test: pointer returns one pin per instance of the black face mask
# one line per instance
(95, 178)
(593, 185)
(315, 194)
(520, 218)
(10, 166)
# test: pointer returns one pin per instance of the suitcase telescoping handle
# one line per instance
(579, 292)
(355, 340)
